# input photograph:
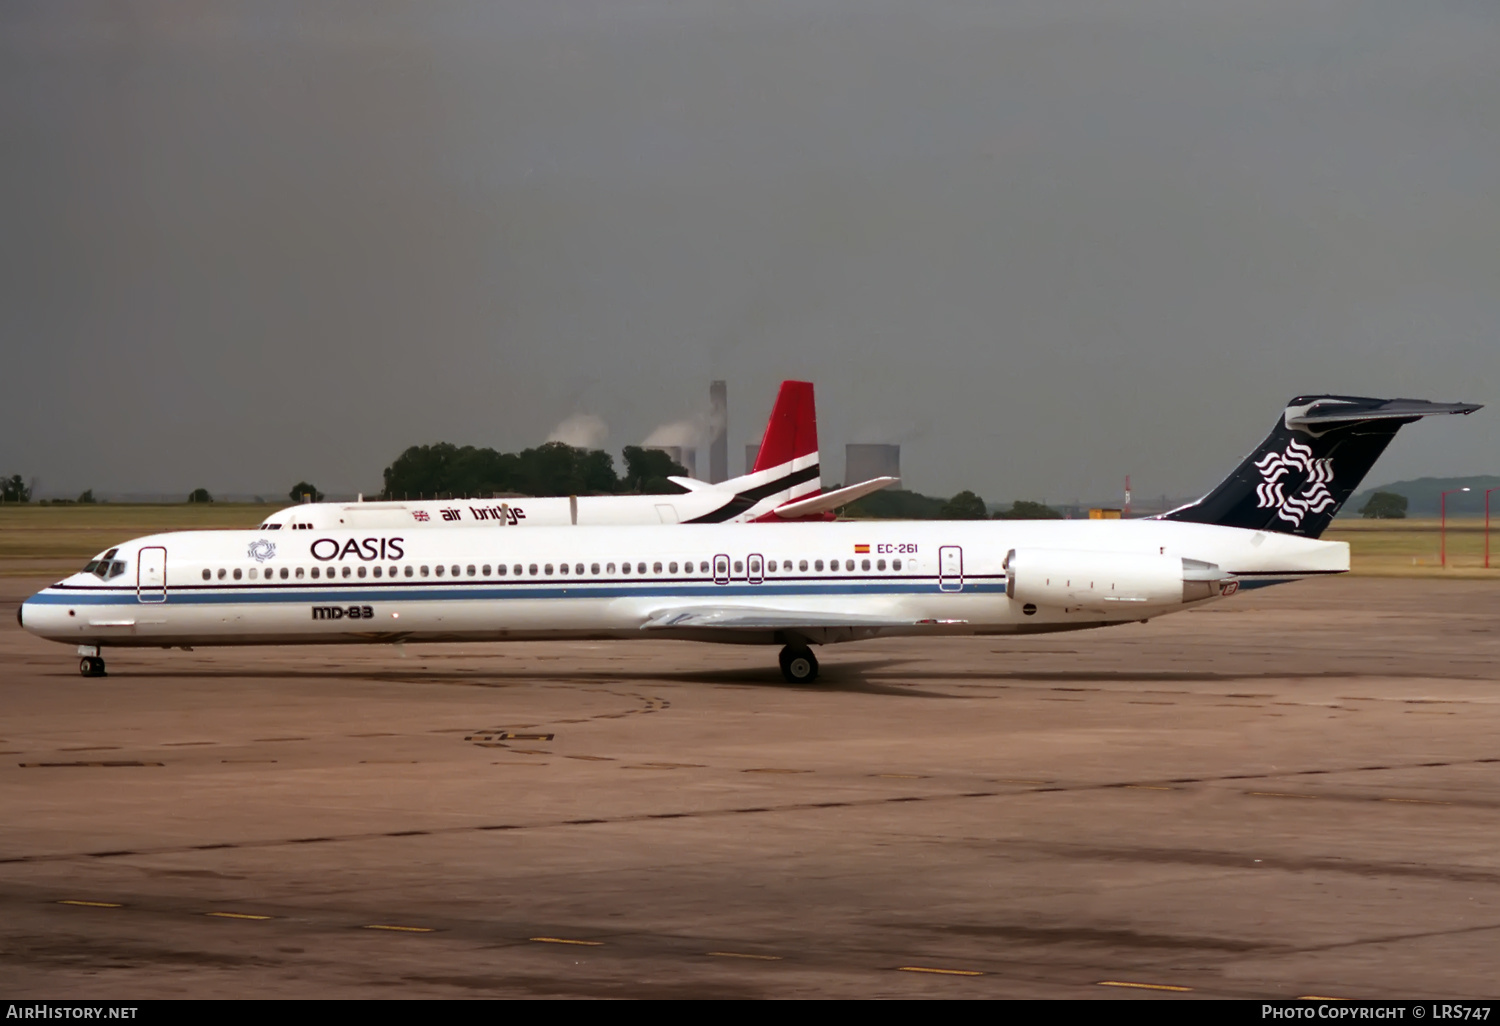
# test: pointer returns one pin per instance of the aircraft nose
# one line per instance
(20, 620)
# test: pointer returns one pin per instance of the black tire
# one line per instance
(86, 667)
(799, 665)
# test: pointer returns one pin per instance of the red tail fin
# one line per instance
(793, 428)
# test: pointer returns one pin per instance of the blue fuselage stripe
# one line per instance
(384, 592)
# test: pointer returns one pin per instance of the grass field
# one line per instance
(38, 539)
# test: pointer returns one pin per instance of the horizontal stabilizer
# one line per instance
(692, 484)
(830, 501)
(1343, 411)
(750, 618)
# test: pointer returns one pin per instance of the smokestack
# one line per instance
(718, 428)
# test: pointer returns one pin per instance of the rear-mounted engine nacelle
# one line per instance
(1110, 581)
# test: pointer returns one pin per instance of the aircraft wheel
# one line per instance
(91, 666)
(799, 665)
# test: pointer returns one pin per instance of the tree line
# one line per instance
(553, 468)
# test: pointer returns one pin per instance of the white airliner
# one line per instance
(793, 585)
(785, 484)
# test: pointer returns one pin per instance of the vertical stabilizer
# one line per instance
(1312, 461)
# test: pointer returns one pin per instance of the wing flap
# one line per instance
(749, 618)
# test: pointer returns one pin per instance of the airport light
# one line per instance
(1487, 525)
(1443, 528)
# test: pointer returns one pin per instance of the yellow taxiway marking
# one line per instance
(1319, 997)
(400, 929)
(236, 915)
(1415, 801)
(941, 972)
(1279, 794)
(566, 940)
(1142, 986)
(741, 954)
(92, 904)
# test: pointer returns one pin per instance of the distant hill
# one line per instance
(1422, 494)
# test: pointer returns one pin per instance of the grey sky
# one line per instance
(1041, 244)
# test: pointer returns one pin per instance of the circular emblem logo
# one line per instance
(262, 550)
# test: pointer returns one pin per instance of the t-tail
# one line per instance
(1312, 461)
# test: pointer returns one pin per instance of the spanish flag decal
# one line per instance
(861, 549)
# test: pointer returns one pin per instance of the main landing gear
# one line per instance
(799, 665)
(91, 666)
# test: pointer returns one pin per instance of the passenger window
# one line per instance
(609, 569)
(455, 570)
(656, 568)
(393, 571)
(424, 570)
(849, 564)
(360, 572)
(438, 570)
(640, 568)
(624, 568)
(739, 567)
(300, 573)
(470, 570)
(486, 569)
(578, 568)
(532, 568)
(880, 564)
(316, 572)
(562, 569)
(671, 568)
(409, 570)
(252, 573)
(864, 564)
(285, 573)
(517, 570)
(818, 564)
(500, 569)
(207, 575)
(237, 574)
(548, 569)
(221, 573)
(375, 572)
(594, 569)
(895, 564)
(770, 566)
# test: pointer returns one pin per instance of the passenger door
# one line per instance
(950, 568)
(755, 568)
(151, 575)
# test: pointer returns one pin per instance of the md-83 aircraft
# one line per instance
(793, 585)
(784, 485)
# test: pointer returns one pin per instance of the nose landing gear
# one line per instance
(91, 666)
(799, 665)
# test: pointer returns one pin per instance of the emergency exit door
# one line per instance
(950, 568)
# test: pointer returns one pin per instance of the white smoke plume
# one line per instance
(685, 433)
(582, 431)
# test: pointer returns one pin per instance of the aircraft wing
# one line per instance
(692, 484)
(830, 501)
(752, 618)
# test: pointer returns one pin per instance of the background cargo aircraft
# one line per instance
(791, 585)
(785, 484)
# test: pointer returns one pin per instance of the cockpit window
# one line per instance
(105, 568)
